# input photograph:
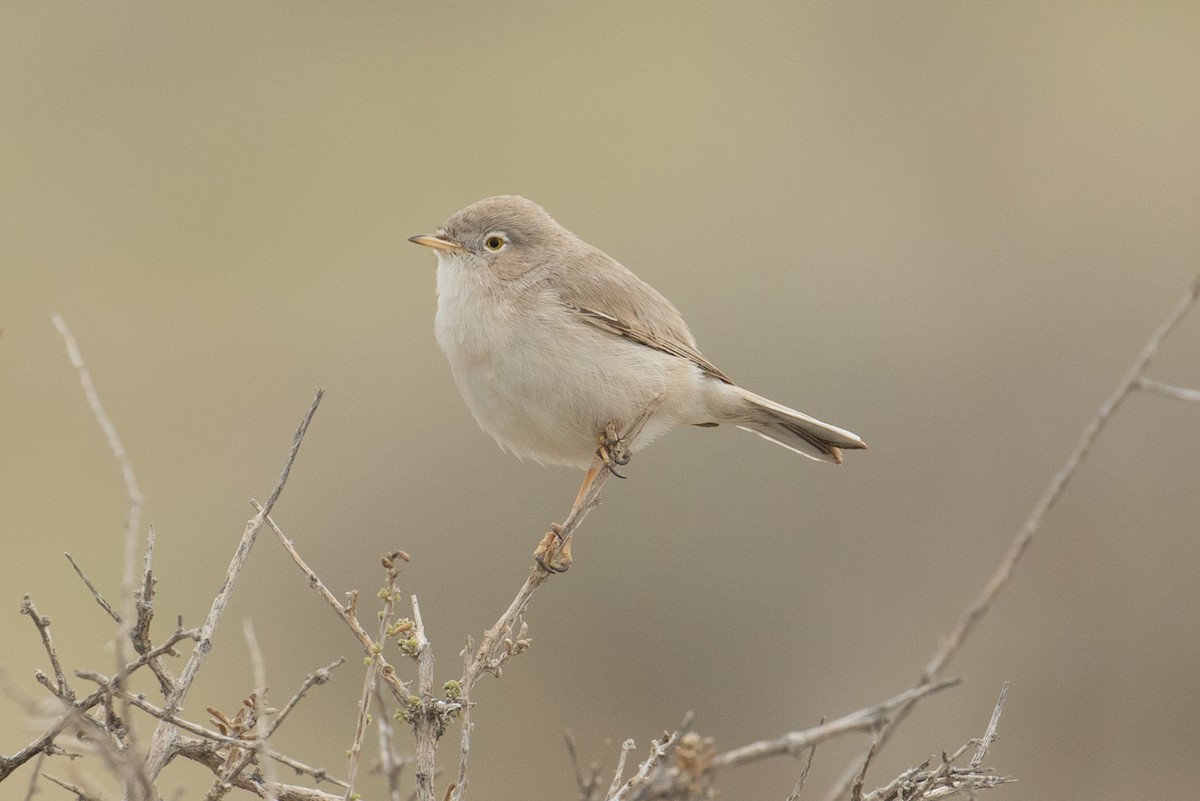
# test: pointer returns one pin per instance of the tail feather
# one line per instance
(795, 430)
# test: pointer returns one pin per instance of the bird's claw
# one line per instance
(550, 558)
(611, 451)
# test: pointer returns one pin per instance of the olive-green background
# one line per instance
(947, 226)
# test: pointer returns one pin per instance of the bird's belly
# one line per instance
(547, 390)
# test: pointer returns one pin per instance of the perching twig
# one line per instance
(489, 656)
(160, 747)
(999, 579)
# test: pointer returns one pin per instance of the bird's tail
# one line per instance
(793, 430)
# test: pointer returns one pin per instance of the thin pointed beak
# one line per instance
(435, 242)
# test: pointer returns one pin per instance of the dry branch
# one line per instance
(793, 743)
(999, 579)
(946, 779)
(132, 491)
(680, 765)
(160, 747)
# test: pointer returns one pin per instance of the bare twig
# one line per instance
(32, 789)
(80, 793)
(643, 777)
(105, 605)
(999, 579)
(206, 753)
(60, 688)
(160, 747)
(390, 764)
(386, 671)
(990, 735)
(464, 749)
(230, 771)
(134, 494)
(585, 786)
(388, 595)
(619, 773)
(490, 657)
(812, 750)
(174, 720)
(1178, 393)
(44, 743)
(139, 633)
(132, 491)
(856, 793)
(873, 717)
(109, 741)
(262, 728)
(314, 679)
(946, 780)
(428, 725)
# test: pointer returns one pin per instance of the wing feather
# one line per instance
(606, 295)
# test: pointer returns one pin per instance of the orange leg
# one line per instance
(545, 554)
(553, 553)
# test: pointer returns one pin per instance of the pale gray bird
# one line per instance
(550, 340)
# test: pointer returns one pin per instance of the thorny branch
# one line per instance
(371, 649)
(660, 775)
(946, 780)
(391, 564)
(999, 579)
(132, 491)
(492, 653)
(160, 747)
(45, 742)
(793, 743)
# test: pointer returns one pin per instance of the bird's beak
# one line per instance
(436, 242)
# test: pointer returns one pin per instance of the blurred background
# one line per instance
(949, 227)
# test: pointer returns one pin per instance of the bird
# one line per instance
(555, 346)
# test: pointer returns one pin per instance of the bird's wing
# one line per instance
(604, 294)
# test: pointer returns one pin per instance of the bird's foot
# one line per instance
(553, 553)
(611, 450)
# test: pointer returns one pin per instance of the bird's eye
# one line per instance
(495, 243)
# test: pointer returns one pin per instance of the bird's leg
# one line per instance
(553, 553)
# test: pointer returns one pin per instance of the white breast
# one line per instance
(540, 381)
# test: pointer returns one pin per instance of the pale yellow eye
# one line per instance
(495, 243)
